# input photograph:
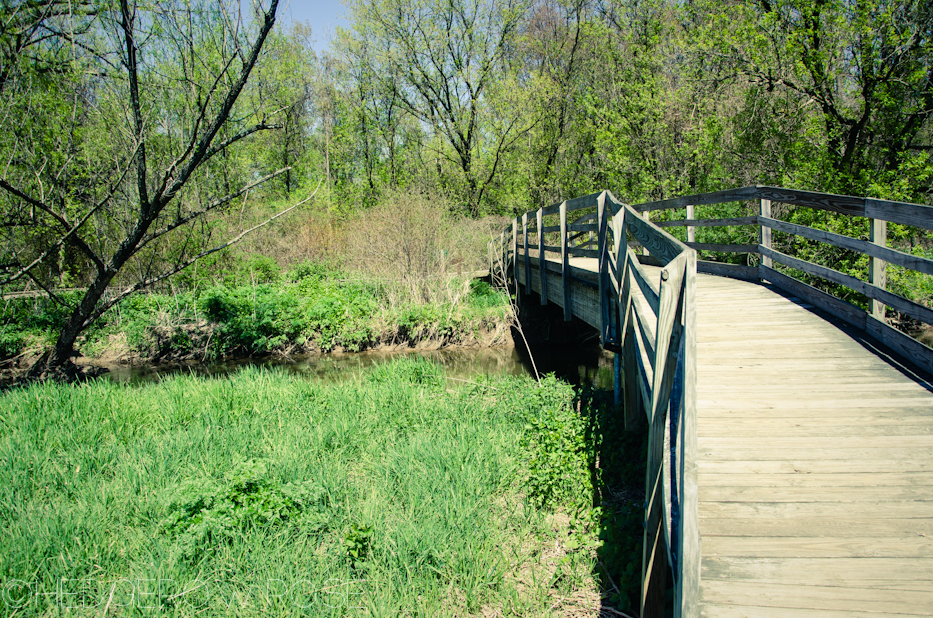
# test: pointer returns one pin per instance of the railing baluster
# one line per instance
(691, 230)
(764, 233)
(565, 262)
(542, 263)
(527, 258)
(878, 268)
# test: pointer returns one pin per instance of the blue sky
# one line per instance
(322, 15)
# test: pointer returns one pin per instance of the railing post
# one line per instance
(542, 263)
(527, 258)
(691, 230)
(878, 268)
(764, 232)
(565, 262)
(601, 266)
(515, 255)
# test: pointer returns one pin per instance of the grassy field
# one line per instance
(397, 492)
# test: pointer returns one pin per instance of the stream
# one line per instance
(584, 364)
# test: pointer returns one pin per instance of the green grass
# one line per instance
(397, 492)
(311, 307)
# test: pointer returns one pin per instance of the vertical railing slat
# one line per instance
(542, 262)
(565, 263)
(527, 257)
(878, 268)
(764, 232)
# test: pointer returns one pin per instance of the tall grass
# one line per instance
(397, 492)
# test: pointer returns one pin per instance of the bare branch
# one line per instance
(178, 268)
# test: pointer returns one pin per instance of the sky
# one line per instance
(322, 15)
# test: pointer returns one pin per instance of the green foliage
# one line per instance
(556, 453)
(402, 492)
(206, 513)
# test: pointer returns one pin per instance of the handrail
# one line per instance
(651, 321)
(653, 326)
(878, 212)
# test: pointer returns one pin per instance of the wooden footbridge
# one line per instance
(790, 465)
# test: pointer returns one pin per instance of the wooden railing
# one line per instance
(874, 286)
(651, 322)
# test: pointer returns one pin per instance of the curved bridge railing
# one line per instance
(650, 321)
(784, 271)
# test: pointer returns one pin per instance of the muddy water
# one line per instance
(578, 364)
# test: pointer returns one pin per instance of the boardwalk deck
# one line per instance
(815, 458)
(815, 461)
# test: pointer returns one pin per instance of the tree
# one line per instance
(443, 60)
(117, 121)
(863, 68)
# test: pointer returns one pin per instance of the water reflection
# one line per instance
(579, 364)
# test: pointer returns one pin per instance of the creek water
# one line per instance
(580, 364)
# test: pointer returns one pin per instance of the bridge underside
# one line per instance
(815, 458)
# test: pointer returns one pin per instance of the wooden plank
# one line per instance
(816, 495)
(827, 428)
(527, 258)
(908, 307)
(649, 290)
(905, 213)
(839, 308)
(735, 271)
(843, 204)
(819, 443)
(703, 246)
(565, 264)
(764, 233)
(550, 228)
(542, 272)
(662, 245)
(580, 203)
(794, 527)
(718, 197)
(855, 572)
(582, 227)
(908, 347)
(831, 597)
(690, 554)
(843, 546)
(817, 479)
(813, 465)
(752, 220)
(584, 253)
(715, 610)
(899, 258)
(691, 231)
(602, 250)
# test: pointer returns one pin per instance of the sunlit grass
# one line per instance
(397, 492)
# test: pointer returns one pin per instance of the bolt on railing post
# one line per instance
(878, 268)
(764, 232)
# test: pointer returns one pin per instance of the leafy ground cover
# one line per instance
(397, 492)
(309, 308)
